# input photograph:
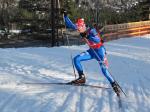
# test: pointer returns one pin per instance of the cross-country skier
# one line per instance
(96, 51)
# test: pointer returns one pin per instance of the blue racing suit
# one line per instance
(96, 51)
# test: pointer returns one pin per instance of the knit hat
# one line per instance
(81, 27)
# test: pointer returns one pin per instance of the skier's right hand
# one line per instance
(65, 13)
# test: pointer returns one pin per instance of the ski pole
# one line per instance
(74, 72)
(68, 43)
(102, 62)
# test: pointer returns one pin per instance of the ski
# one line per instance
(69, 84)
(119, 98)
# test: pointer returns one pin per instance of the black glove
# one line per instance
(65, 13)
(102, 40)
(83, 35)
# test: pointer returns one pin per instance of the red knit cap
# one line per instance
(81, 25)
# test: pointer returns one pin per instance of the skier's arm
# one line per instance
(95, 39)
(93, 36)
(69, 23)
(86, 41)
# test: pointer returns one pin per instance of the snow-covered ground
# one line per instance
(129, 63)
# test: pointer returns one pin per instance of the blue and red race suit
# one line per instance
(96, 51)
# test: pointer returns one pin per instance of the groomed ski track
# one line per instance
(129, 61)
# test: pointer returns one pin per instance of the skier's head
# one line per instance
(81, 27)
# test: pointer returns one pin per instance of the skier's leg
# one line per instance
(110, 78)
(77, 62)
(104, 66)
(81, 57)
(106, 72)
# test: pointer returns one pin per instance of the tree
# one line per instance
(34, 12)
(145, 9)
(5, 11)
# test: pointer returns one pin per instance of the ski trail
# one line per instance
(99, 102)
(81, 99)
(129, 64)
(105, 100)
(137, 97)
(145, 96)
(6, 102)
(133, 96)
(111, 99)
(54, 100)
(67, 105)
(140, 97)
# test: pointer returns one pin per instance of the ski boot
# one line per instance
(116, 88)
(81, 80)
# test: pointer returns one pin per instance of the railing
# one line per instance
(126, 30)
(112, 32)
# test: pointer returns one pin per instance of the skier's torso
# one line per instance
(94, 38)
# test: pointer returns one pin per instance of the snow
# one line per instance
(129, 62)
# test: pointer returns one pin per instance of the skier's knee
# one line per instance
(104, 63)
(77, 59)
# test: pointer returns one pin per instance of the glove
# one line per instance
(65, 13)
(102, 40)
(83, 35)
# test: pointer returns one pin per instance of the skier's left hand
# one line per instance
(83, 35)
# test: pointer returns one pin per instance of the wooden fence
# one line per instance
(126, 30)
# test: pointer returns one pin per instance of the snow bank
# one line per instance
(129, 61)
